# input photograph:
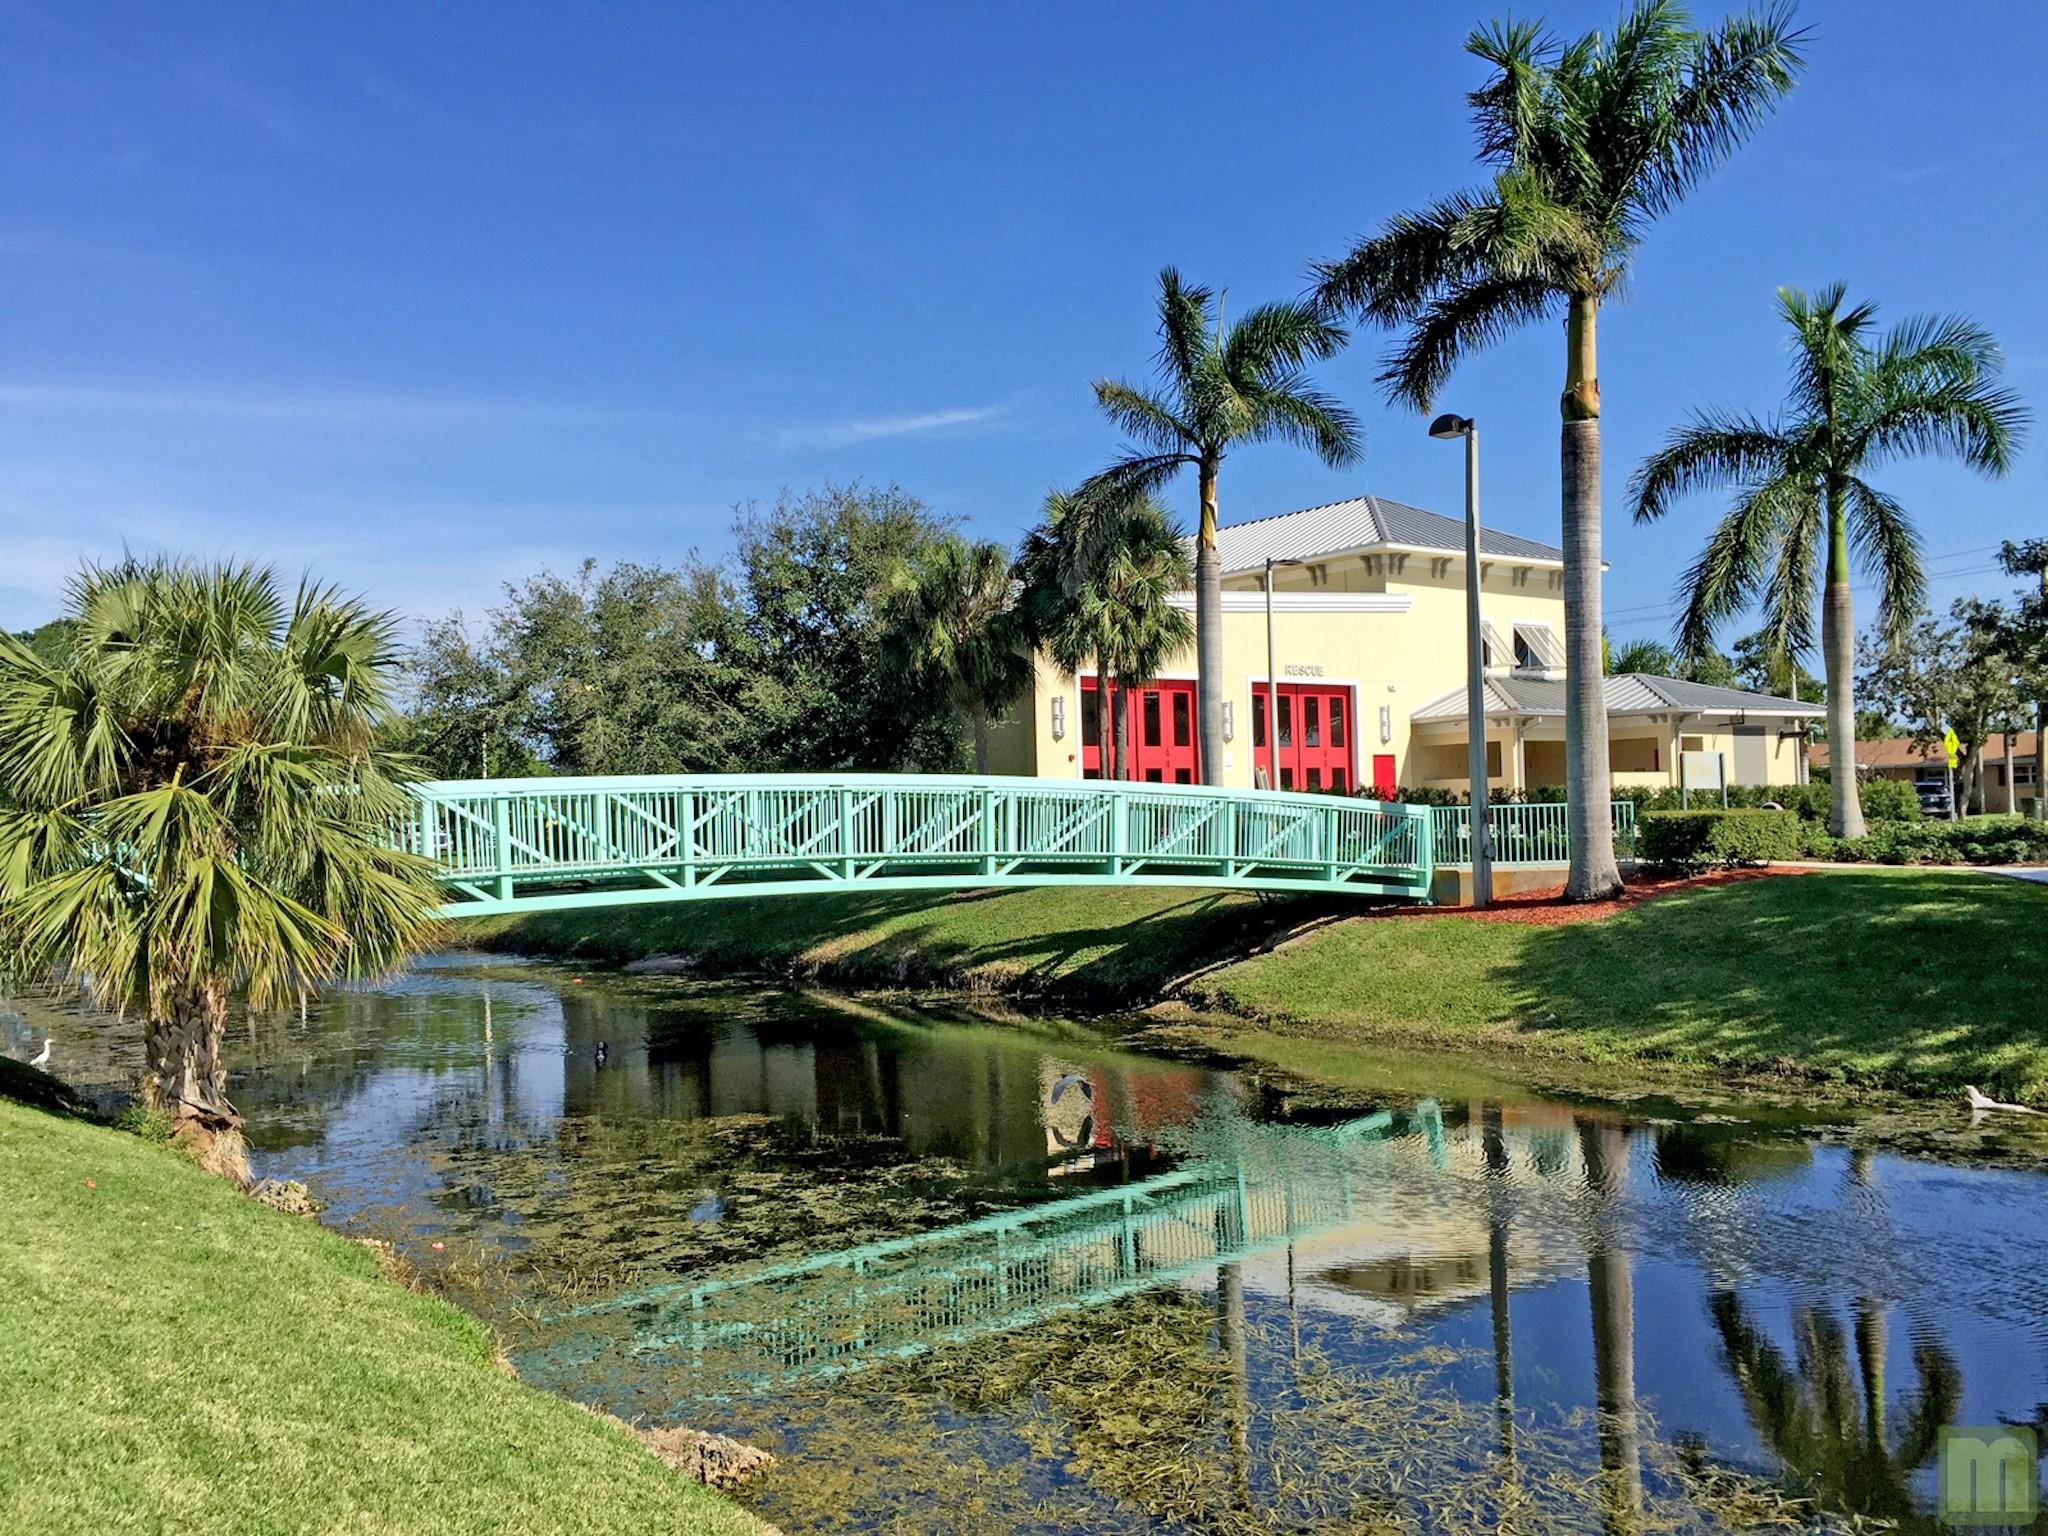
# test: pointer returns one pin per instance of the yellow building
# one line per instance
(1368, 633)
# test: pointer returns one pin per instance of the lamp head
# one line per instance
(1449, 426)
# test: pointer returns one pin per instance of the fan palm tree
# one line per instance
(1137, 630)
(1222, 388)
(951, 626)
(1096, 573)
(1804, 513)
(195, 803)
(1590, 141)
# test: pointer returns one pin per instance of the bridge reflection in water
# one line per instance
(1247, 1189)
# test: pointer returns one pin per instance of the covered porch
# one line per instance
(1653, 723)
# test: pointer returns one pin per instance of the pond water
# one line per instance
(974, 1277)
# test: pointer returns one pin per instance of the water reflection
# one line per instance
(1531, 1314)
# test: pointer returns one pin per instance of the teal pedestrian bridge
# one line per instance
(1242, 1193)
(510, 845)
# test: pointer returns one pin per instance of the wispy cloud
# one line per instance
(867, 429)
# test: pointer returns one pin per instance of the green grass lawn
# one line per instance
(1919, 979)
(1916, 979)
(175, 1357)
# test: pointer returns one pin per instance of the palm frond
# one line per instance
(1509, 111)
(1737, 555)
(1183, 325)
(1278, 336)
(1709, 92)
(1712, 451)
(1467, 318)
(1289, 410)
(1387, 279)
(1136, 475)
(1887, 548)
(1793, 585)
(1143, 417)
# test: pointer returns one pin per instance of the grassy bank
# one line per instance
(176, 1357)
(1918, 979)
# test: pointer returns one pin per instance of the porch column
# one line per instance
(1520, 770)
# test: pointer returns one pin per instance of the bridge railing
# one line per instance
(1528, 833)
(518, 842)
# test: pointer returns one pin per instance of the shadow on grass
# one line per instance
(1077, 944)
(1909, 976)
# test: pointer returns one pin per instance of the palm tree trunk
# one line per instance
(2041, 756)
(1105, 767)
(1610, 1286)
(185, 1076)
(1123, 729)
(980, 744)
(1593, 875)
(1209, 632)
(1838, 649)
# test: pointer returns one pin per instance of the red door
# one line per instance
(1162, 740)
(1385, 782)
(1315, 722)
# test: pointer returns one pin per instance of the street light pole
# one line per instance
(1272, 689)
(1479, 832)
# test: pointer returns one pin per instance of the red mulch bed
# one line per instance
(1547, 908)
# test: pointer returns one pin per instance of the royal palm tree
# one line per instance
(1805, 514)
(1096, 575)
(952, 627)
(195, 805)
(1590, 141)
(1221, 388)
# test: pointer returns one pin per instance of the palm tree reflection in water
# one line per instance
(1610, 1288)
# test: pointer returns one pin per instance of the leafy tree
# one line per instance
(51, 641)
(1651, 656)
(1096, 574)
(1590, 142)
(1939, 676)
(952, 629)
(804, 617)
(2027, 639)
(195, 803)
(1759, 667)
(1805, 512)
(606, 672)
(1222, 388)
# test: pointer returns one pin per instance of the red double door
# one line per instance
(1162, 740)
(1316, 724)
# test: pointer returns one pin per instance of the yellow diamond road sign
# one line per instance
(1952, 744)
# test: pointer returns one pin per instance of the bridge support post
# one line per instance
(686, 835)
(501, 845)
(845, 833)
(1330, 844)
(1230, 839)
(1119, 831)
(991, 838)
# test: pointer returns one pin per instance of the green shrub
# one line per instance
(1947, 842)
(1883, 799)
(1685, 841)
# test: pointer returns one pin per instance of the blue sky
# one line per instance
(428, 297)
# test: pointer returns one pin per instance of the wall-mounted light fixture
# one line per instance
(1059, 717)
(1229, 721)
(1386, 723)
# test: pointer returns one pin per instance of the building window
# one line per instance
(1180, 719)
(1536, 648)
(1336, 720)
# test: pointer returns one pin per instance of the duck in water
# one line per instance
(604, 1052)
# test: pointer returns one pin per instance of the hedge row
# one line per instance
(1933, 842)
(1684, 842)
(1883, 799)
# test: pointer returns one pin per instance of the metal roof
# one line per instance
(1629, 693)
(1363, 522)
